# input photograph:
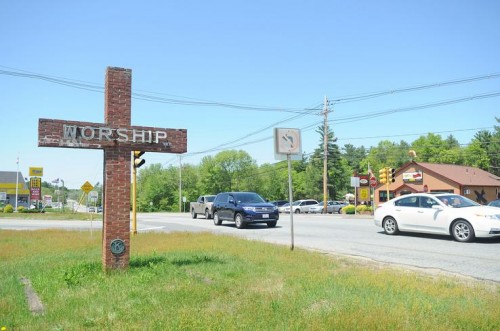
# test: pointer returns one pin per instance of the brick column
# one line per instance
(116, 223)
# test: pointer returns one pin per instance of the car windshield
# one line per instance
(210, 198)
(296, 203)
(495, 203)
(457, 201)
(248, 198)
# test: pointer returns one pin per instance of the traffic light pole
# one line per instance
(134, 200)
(384, 179)
(136, 163)
(387, 188)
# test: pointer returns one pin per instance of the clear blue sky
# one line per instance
(284, 55)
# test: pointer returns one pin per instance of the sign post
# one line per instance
(355, 184)
(117, 138)
(288, 146)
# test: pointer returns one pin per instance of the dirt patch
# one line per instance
(34, 303)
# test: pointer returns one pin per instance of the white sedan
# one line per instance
(447, 214)
(282, 208)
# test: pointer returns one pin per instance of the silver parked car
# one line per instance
(319, 208)
(337, 206)
(301, 206)
(445, 213)
(282, 208)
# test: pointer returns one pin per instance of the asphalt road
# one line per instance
(357, 237)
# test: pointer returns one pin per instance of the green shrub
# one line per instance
(8, 209)
(349, 210)
(21, 209)
(1, 209)
(361, 208)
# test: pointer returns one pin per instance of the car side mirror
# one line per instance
(231, 201)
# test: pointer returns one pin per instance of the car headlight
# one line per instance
(490, 216)
(249, 209)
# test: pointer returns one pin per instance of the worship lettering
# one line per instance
(74, 132)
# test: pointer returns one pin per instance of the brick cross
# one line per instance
(117, 138)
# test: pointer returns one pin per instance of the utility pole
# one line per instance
(325, 157)
(17, 182)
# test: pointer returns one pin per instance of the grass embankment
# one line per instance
(186, 281)
(53, 215)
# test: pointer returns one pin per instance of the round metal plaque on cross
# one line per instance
(117, 247)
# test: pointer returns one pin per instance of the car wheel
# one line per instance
(339, 211)
(238, 219)
(390, 226)
(217, 221)
(297, 211)
(207, 214)
(271, 224)
(462, 231)
(193, 214)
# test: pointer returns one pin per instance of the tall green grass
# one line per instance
(185, 281)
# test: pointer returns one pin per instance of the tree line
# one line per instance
(236, 170)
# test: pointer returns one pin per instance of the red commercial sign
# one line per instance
(36, 188)
(363, 180)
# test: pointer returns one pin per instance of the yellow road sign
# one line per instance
(87, 187)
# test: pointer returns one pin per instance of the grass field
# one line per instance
(53, 215)
(185, 281)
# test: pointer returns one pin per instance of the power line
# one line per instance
(413, 134)
(186, 101)
(300, 111)
(371, 95)
(369, 115)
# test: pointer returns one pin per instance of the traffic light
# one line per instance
(382, 178)
(137, 159)
(391, 175)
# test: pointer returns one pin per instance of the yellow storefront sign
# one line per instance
(364, 194)
(35, 183)
(36, 172)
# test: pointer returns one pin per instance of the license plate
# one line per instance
(265, 215)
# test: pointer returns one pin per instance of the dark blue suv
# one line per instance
(243, 208)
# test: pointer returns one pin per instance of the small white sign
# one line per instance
(354, 181)
(412, 176)
(287, 142)
(93, 195)
(3, 196)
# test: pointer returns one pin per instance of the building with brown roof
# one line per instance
(474, 183)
